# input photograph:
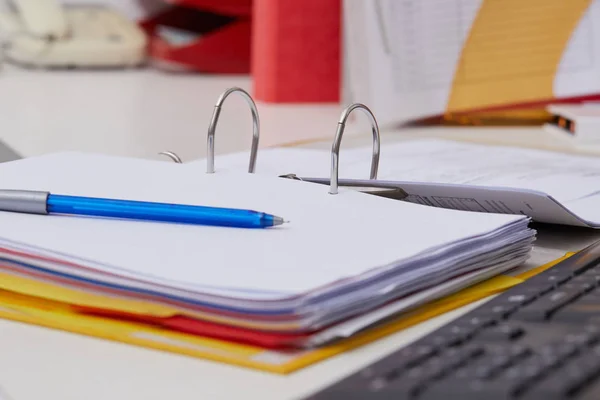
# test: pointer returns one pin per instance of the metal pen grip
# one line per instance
(24, 201)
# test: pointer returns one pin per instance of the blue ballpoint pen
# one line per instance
(38, 202)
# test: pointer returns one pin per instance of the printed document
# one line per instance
(548, 186)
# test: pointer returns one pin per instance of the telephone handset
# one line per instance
(46, 33)
(42, 18)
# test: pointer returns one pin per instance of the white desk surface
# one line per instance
(137, 114)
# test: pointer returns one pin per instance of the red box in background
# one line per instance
(292, 48)
(210, 36)
(296, 50)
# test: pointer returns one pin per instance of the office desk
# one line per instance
(37, 363)
(40, 363)
(147, 116)
(138, 113)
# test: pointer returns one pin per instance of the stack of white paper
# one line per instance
(547, 186)
(340, 256)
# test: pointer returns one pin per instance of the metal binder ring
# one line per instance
(173, 156)
(213, 126)
(335, 149)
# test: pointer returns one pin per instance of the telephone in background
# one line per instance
(47, 34)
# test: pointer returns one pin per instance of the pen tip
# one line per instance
(279, 221)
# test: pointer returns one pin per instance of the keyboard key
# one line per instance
(467, 390)
(498, 363)
(493, 363)
(497, 309)
(393, 366)
(460, 356)
(476, 322)
(508, 385)
(442, 340)
(561, 350)
(518, 351)
(540, 283)
(503, 310)
(500, 375)
(594, 294)
(522, 295)
(583, 339)
(417, 379)
(541, 309)
(402, 389)
(586, 281)
(569, 379)
(551, 278)
(458, 333)
(406, 387)
(553, 387)
(583, 286)
(503, 332)
(580, 267)
(580, 312)
(487, 371)
(593, 274)
(497, 389)
(338, 392)
(526, 376)
(551, 360)
(435, 340)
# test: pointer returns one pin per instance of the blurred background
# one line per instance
(136, 77)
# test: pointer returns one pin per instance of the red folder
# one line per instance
(198, 327)
(296, 54)
(222, 44)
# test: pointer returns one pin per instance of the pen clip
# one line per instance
(376, 188)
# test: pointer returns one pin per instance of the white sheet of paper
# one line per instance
(544, 185)
(564, 177)
(330, 238)
(355, 325)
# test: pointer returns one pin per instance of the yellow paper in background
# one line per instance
(520, 117)
(83, 297)
(513, 52)
(60, 315)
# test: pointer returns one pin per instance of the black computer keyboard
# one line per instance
(538, 340)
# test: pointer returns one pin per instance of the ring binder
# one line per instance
(172, 156)
(381, 189)
(213, 126)
(335, 149)
(378, 189)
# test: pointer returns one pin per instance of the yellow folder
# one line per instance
(51, 307)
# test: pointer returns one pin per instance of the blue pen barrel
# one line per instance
(163, 212)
